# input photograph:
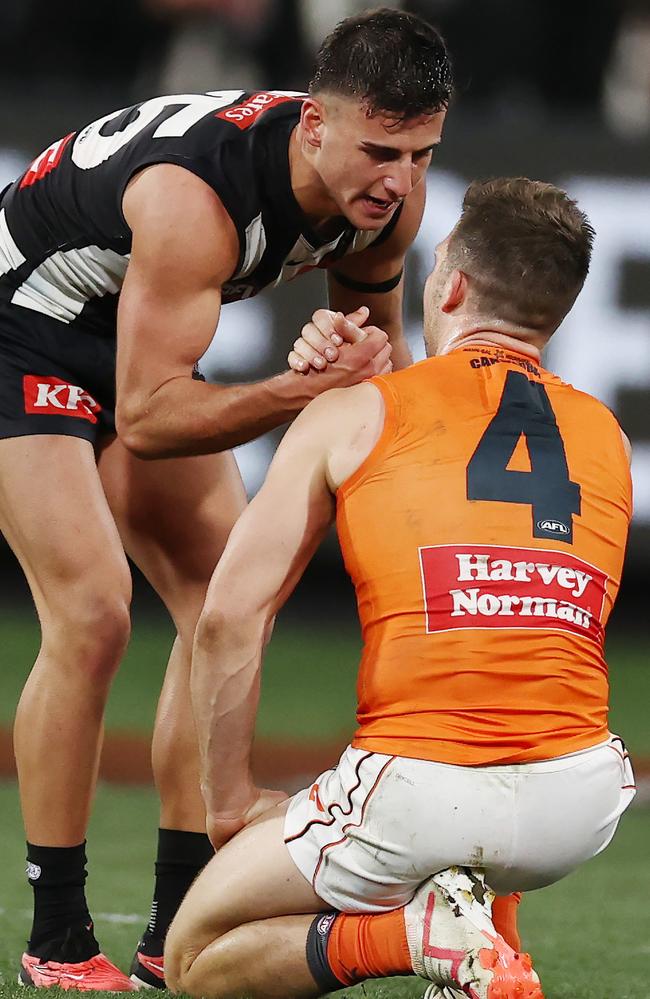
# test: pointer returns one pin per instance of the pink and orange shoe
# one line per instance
(148, 965)
(148, 972)
(97, 974)
(453, 942)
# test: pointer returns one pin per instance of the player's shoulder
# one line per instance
(587, 417)
(258, 108)
(581, 399)
(241, 117)
(338, 406)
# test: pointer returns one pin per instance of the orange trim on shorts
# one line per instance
(335, 804)
(350, 825)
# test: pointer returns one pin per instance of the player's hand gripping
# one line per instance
(320, 338)
(350, 353)
(223, 826)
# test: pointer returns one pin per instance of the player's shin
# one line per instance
(181, 857)
(345, 949)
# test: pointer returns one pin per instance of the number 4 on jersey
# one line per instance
(525, 409)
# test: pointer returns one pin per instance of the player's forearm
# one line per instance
(186, 416)
(225, 693)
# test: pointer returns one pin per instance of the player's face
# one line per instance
(369, 164)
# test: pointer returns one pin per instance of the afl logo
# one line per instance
(324, 924)
(554, 526)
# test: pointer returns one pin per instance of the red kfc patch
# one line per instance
(246, 114)
(46, 161)
(50, 395)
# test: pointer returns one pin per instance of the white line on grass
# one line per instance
(102, 917)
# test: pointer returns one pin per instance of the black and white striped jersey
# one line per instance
(64, 242)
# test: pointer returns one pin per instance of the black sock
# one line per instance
(58, 876)
(181, 857)
(316, 952)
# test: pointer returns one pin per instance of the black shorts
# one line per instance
(54, 379)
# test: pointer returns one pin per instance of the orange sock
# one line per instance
(372, 946)
(504, 917)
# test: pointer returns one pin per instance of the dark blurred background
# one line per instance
(556, 91)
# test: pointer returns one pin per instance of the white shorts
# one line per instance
(367, 833)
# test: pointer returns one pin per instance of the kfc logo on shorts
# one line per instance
(47, 394)
(246, 114)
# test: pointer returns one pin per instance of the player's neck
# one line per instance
(309, 190)
(527, 342)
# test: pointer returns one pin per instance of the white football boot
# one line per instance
(453, 942)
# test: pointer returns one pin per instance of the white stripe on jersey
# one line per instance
(255, 247)
(363, 238)
(62, 284)
(10, 255)
(304, 254)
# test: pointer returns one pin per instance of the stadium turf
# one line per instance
(308, 684)
(589, 935)
(308, 680)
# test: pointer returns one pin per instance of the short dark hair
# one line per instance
(526, 247)
(393, 61)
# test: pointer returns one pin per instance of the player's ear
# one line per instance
(311, 120)
(455, 291)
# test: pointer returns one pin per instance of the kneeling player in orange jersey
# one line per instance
(482, 506)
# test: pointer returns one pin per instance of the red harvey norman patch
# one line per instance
(246, 114)
(51, 395)
(491, 586)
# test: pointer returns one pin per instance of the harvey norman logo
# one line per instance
(491, 586)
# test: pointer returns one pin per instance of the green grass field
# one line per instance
(589, 935)
(308, 688)
(308, 681)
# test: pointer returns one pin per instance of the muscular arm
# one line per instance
(266, 554)
(375, 265)
(184, 247)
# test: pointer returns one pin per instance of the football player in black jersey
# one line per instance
(132, 233)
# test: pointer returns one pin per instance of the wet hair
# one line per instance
(391, 60)
(526, 247)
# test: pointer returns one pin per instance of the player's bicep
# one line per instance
(184, 247)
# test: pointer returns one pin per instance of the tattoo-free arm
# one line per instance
(266, 554)
(184, 247)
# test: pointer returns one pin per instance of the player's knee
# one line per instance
(209, 627)
(179, 961)
(90, 633)
(198, 978)
(186, 962)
